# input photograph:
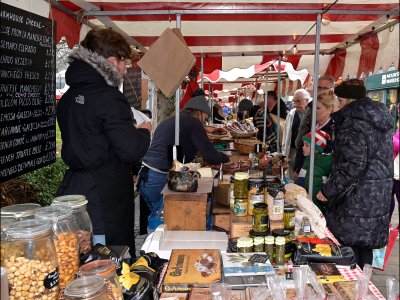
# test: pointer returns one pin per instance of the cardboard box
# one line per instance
(190, 268)
(174, 296)
(240, 226)
(223, 221)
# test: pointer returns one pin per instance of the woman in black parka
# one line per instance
(363, 144)
(100, 141)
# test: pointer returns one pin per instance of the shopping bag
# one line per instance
(382, 255)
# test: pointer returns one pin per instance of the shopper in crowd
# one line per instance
(300, 100)
(322, 164)
(244, 108)
(218, 115)
(363, 158)
(325, 83)
(100, 141)
(193, 139)
(272, 103)
(396, 177)
(270, 135)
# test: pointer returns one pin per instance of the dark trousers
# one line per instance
(396, 191)
(362, 256)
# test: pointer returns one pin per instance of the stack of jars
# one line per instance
(66, 239)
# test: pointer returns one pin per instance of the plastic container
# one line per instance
(82, 218)
(244, 245)
(260, 218)
(107, 270)
(241, 184)
(20, 211)
(66, 239)
(87, 288)
(31, 260)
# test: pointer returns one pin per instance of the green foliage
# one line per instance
(45, 180)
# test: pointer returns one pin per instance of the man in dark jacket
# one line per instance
(273, 105)
(363, 155)
(100, 141)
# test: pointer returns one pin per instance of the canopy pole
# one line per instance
(314, 104)
(265, 105)
(210, 97)
(278, 130)
(202, 71)
(177, 101)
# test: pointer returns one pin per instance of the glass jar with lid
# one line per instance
(31, 260)
(260, 218)
(280, 250)
(106, 269)
(20, 211)
(256, 193)
(83, 221)
(244, 244)
(66, 239)
(87, 288)
(269, 247)
(258, 244)
(5, 223)
(289, 216)
(241, 185)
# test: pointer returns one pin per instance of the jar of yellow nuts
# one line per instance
(66, 239)
(106, 269)
(31, 261)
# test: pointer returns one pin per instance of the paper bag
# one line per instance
(168, 61)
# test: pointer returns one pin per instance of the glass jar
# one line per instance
(260, 218)
(240, 208)
(5, 223)
(20, 211)
(306, 225)
(106, 269)
(241, 185)
(244, 244)
(66, 239)
(258, 244)
(287, 235)
(231, 193)
(289, 217)
(31, 261)
(255, 194)
(87, 288)
(276, 191)
(280, 250)
(269, 247)
(85, 228)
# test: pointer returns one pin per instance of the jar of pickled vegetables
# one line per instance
(241, 185)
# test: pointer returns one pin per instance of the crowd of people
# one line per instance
(354, 181)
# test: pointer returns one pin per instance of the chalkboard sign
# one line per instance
(132, 87)
(27, 92)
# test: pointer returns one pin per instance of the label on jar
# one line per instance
(278, 206)
(292, 221)
(240, 209)
(52, 279)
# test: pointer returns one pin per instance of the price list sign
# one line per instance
(132, 88)
(27, 92)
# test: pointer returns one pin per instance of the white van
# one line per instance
(61, 86)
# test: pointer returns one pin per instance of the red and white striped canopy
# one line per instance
(357, 36)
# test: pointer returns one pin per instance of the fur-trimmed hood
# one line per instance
(99, 63)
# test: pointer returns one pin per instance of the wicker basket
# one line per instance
(245, 146)
(243, 135)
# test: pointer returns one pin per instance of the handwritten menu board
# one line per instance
(132, 87)
(27, 92)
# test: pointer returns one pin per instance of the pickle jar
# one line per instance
(20, 211)
(87, 288)
(85, 228)
(269, 241)
(260, 218)
(31, 261)
(104, 268)
(241, 185)
(240, 207)
(280, 250)
(258, 244)
(66, 239)
(244, 244)
(289, 217)
(255, 194)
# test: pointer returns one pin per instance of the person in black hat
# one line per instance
(363, 157)
(244, 108)
(193, 139)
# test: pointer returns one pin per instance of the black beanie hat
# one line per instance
(350, 91)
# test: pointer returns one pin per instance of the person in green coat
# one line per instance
(322, 164)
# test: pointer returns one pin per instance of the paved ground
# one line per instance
(378, 277)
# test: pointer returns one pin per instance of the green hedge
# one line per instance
(45, 180)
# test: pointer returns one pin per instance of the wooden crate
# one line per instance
(223, 221)
(240, 226)
(187, 211)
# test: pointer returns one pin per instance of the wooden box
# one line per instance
(240, 226)
(187, 211)
(222, 217)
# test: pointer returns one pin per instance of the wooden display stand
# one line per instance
(187, 211)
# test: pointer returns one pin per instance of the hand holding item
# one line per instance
(146, 125)
(321, 197)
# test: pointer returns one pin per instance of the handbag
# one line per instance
(351, 187)
(381, 256)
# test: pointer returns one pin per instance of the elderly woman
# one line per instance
(363, 158)
(300, 100)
